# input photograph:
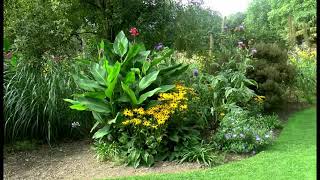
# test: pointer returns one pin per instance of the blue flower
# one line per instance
(158, 46)
(195, 72)
(258, 138)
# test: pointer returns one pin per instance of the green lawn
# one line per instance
(293, 156)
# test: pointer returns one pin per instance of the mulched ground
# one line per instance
(76, 160)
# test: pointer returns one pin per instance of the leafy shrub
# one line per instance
(200, 153)
(272, 73)
(229, 86)
(305, 81)
(131, 96)
(241, 132)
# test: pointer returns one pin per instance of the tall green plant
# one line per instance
(123, 77)
(32, 102)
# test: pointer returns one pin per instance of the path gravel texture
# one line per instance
(75, 160)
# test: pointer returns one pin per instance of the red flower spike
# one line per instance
(134, 31)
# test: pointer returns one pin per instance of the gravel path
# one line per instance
(75, 161)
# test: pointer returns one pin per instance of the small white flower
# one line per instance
(75, 124)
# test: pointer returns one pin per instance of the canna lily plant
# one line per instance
(126, 76)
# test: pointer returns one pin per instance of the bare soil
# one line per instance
(76, 160)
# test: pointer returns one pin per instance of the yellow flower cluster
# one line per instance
(307, 55)
(260, 99)
(159, 114)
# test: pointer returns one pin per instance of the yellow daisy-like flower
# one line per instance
(183, 107)
(126, 122)
(222, 114)
(139, 111)
(127, 112)
(154, 126)
(173, 105)
(136, 121)
(146, 123)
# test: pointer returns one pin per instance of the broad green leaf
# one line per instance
(102, 132)
(79, 107)
(71, 101)
(130, 93)
(94, 104)
(166, 88)
(160, 89)
(114, 120)
(144, 96)
(133, 51)
(145, 67)
(97, 117)
(130, 78)
(142, 56)
(120, 45)
(161, 57)
(94, 126)
(87, 84)
(147, 80)
(136, 70)
(169, 69)
(113, 71)
(76, 105)
(123, 98)
(99, 73)
(112, 81)
(94, 94)
(178, 71)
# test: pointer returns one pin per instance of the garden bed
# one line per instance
(77, 160)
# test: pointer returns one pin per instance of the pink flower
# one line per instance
(134, 31)
(7, 55)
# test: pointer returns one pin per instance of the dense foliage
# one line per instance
(177, 83)
(273, 74)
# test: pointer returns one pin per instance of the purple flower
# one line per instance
(195, 72)
(258, 138)
(158, 46)
(7, 55)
